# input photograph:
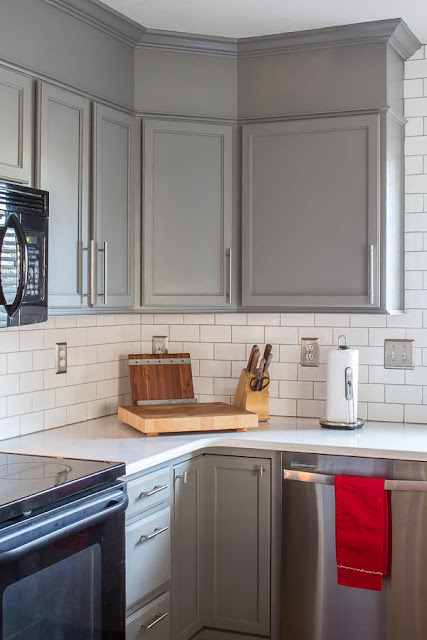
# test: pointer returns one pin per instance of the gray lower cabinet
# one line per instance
(63, 170)
(16, 126)
(188, 544)
(188, 202)
(317, 230)
(237, 539)
(114, 166)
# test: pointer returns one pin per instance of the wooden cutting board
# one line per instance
(163, 376)
(205, 416)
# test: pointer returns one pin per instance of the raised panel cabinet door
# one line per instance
(114, 189)
(188, 540)
(311, 214)
(16, 126)
(63, 170)
(187, 246)
(237, 526)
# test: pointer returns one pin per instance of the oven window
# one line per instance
(59, 602)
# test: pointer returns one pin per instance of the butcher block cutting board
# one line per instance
(204, 416)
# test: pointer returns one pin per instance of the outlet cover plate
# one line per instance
(309, 352)
(61, 357)
(399, 354)
(160, 344)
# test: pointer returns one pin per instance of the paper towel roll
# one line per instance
(338, 408)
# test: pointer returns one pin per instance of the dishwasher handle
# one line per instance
(321, 478)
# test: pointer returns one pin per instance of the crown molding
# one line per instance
(93, 12)
(103, 18)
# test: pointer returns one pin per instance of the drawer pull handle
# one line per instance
(156, 489)
(157, 618)
(155, 533)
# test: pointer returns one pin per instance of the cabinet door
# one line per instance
(188, 541)
(187, 214)
(114, 204)
(311, 214)
(16, 126)
(64, 172)
(238, 544)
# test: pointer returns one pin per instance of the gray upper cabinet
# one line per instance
(114, 155)
(63, 170)
(16, 126)
(238, 493)
(188, 548)
(187, 228)
(314, 217)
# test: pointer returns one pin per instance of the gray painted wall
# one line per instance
(185, 83)
(332, 79)
(49, 41)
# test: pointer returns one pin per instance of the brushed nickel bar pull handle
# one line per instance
(320, 478)
(260, 471)
(80, 268)
(158, 618)
(156, 489)
(104, 250)
(92, 273)
(230, 276)
(155, 533)
(183, 477)
(371, 274)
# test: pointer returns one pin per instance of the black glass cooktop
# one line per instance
(29, 483)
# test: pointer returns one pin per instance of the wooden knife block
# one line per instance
(253, 401)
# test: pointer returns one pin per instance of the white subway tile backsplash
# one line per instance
(247, 334)
(215, 333)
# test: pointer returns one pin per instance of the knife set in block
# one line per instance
(252, 389)
(163, 399)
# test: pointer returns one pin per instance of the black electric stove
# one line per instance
(31, 482)
(62, 548)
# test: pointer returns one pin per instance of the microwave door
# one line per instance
(13, 268)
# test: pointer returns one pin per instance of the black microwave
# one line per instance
(24, 224)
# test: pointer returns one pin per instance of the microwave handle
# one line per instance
(14, 223)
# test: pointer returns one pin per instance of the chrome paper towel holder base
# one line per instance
(328, 424)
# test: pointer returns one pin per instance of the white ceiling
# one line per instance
(242, 18)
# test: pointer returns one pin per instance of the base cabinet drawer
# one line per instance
(148, 492)
(148, 555)
(153, 622)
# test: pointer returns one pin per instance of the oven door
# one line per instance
(62, 573)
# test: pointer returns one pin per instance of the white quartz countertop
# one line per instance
(109, 439)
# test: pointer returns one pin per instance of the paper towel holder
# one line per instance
(348, 387)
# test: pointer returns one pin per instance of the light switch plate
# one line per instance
(309, 352)
(61, 357)
(399, 354)
(160, 344)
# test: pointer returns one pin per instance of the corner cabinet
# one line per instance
(237, 535)
(87, 162)
(16, 126)
(188, 206)
(320, 230)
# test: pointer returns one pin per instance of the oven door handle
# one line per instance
(14, 223)
(60, 525)
(321, 478)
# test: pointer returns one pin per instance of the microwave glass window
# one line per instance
(10, 258)
(59, 602)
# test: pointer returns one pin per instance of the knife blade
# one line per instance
(251, 357)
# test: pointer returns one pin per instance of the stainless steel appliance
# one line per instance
(62, 549)
(314, 607)
(24, 219)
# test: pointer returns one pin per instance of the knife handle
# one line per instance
(256, 357)
(267, 364)
(267, 351)
(251, 357)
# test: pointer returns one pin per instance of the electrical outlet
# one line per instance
(310, 352)
(399, 354)
(160, 344)
(61, 357)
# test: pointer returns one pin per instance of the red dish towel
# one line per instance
(361, 531)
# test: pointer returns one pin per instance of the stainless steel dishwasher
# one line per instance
(314, 607)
